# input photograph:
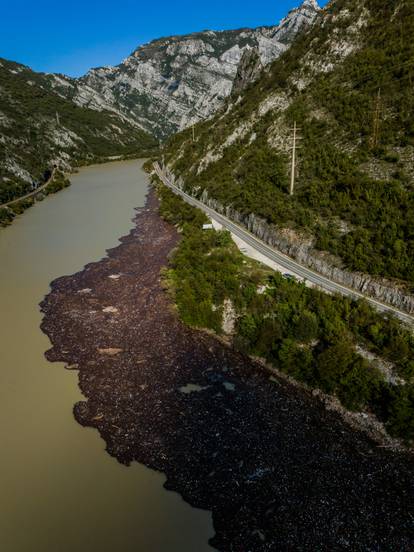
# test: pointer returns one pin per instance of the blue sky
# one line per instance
(71, 37)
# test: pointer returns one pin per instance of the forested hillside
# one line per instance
(332, 343)
(39, 129)
(348, 84)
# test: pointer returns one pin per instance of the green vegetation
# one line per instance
(38, 127)
(355, 189)
(57, 183)
(301, 331)
(206, 268)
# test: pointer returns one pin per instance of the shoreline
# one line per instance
(269, 461)
(31, 198)
(18, 206)
(32, 194)
(363, 422)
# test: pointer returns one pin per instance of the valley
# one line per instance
(240, 443)
(207, 340)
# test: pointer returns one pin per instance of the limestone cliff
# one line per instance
(173, 82)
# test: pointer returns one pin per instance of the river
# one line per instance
(60, 490)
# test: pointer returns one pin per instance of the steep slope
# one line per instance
(248, 71)
(348, 85)
(170, 83)
(39, 129)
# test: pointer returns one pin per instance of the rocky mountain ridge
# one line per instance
(39, 129)
(164, 86)
(173, 82)
(348, 85)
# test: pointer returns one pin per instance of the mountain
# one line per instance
(170, 83)
(162, 87)
(38, 129)
(347, 83)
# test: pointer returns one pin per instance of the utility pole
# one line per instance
(294, 148)
(376, 119)
(193, 133)
(57, 119)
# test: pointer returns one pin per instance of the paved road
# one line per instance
(35, 192)
(286, 262)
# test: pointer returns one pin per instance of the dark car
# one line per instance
(289, 276)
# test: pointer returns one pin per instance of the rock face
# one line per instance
(39, 129)
(249, 69)
(170, 83)
(303, 251)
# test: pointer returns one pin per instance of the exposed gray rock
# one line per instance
(248, 71)
(39, 130)
(302, 250)
(173, 82)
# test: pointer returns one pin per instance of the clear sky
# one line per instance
(74, 35)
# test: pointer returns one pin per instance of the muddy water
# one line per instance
(59, 489)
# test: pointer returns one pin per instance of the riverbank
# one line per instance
(276, 469)
(57, 475)
(358, 361)
(8, 212)
(57, 182)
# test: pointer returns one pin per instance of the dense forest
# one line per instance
(318, 339)
(355, 182)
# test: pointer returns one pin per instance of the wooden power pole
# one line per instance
(193, 133)
(376, 120)
(294, 148)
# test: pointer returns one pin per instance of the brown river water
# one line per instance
(60, 490)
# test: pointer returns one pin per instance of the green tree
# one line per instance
(306, 326)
